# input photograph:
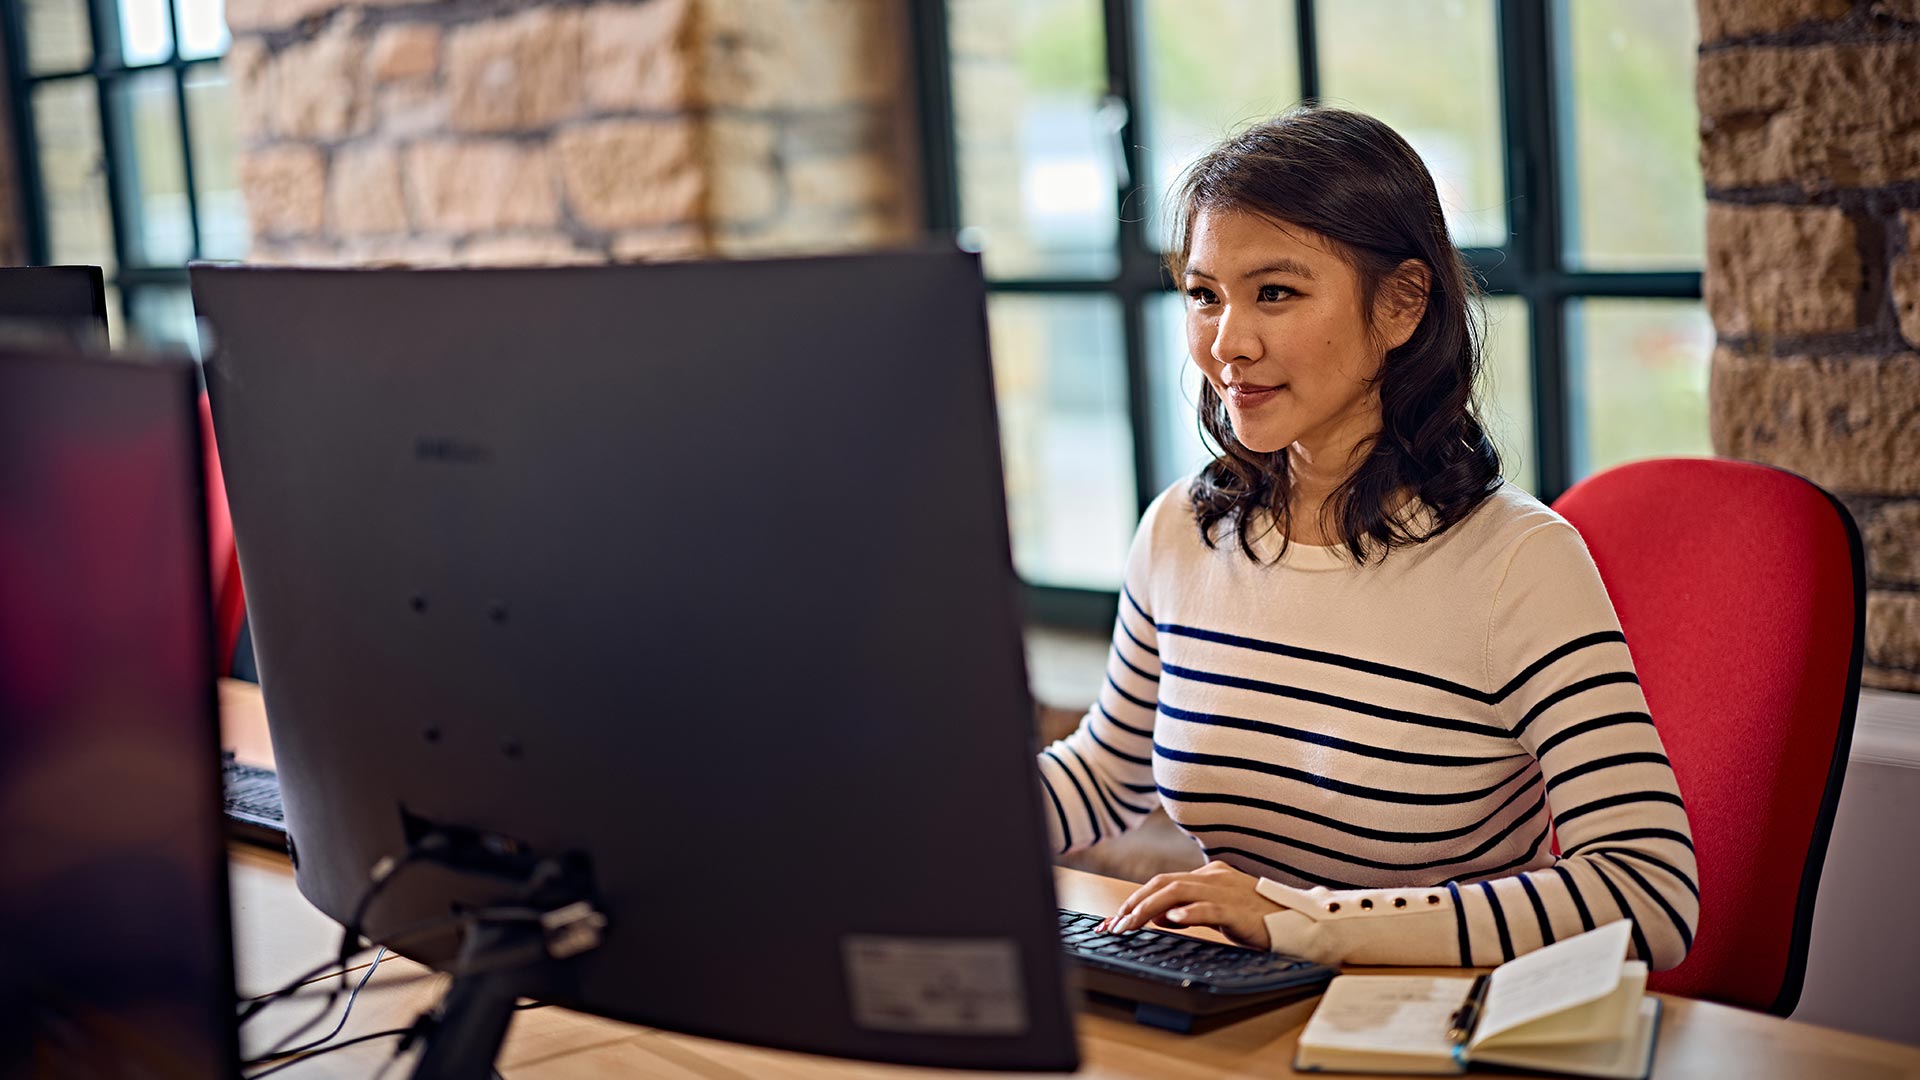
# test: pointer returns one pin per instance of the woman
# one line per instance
(1372, 680)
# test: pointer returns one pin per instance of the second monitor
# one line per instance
(692, 580)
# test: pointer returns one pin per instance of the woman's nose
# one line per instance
(1234, 340)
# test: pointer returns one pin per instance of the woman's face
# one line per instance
(1274, 320)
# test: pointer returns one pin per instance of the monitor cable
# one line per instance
(281, 1052)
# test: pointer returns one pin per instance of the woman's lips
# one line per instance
(1244, 394)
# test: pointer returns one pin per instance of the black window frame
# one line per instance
(107, 71)
(1532, 267)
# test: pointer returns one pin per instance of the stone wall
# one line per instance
(1810, 145)
(563, 131)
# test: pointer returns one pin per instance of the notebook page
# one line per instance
(1627, 1058)
(1546, 981)
(1395, 1014)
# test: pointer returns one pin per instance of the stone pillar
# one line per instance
(562, 131)
(1810, 145)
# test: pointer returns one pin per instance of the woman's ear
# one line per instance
(1402, 302)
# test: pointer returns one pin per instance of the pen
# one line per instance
(1461, 1026)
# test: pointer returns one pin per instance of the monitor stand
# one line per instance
(554, 920)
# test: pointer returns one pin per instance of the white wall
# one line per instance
(1863, 963)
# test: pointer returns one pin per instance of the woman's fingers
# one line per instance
(1153, 884)
(1242, 923)
(1158, 902)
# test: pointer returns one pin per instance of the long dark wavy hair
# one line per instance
(1355, 181)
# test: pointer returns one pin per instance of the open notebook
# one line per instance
(1576, 1007)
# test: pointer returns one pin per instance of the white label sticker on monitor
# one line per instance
(944, 986)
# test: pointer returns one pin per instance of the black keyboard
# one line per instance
(1172, 980)
(253, 805)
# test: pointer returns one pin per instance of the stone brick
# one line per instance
(318, 89)
(640, 56)
(1904, 10)
(401, 251)
(1738, 18)
(474, 186)
(246, 15)
(1906, 279)
(252, 15)
(526, 249)
(1789, 148)
(286, 190)
(799, 53)
(365, 193)
(1892, 536)
(298, 253)
(246, 66)
(629, 173)
(1821, 117)
(744, 169)
(852, 130)
(405, 51)
(1893, 630)
(409, 108)
(862, 181)
(797, 233)
(670, 242)
(1888, 679)
(1846, 423)
(515, 73)
(1782, 270)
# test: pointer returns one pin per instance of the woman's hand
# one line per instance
(1215, 895)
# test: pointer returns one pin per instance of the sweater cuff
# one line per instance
(1363, 926)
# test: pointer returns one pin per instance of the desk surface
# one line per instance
(278, 934)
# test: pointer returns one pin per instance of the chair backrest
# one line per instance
(1741, 589)
(229, 600)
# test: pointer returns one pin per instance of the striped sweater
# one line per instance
(1394, 748)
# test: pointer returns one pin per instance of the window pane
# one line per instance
(203, 28)
(1210, 68)
(162, 318)
(216, 177)
(143, 33)
(159, 230)
(1037, 179)
(1506, 387)
(73, 179)
(1432, 71)
(1634, 195)
(1173, 393)
(1060, 377)
(57, 38)
(1639, 376)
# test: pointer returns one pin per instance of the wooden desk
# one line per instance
(278, 934)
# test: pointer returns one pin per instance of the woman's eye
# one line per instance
(1270, 293)
(1200, 295)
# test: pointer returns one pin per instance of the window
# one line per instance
(126, 148)
(1562, 137)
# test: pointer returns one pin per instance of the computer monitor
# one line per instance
(115, 954)
(53, 306)
(693, 578)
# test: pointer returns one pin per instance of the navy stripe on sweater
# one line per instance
(1391, 836)
(1380, 753)
(1297, 693)
(1417, 798)
(1390, 671)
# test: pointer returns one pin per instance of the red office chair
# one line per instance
(1741, 589)
(229, 601)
